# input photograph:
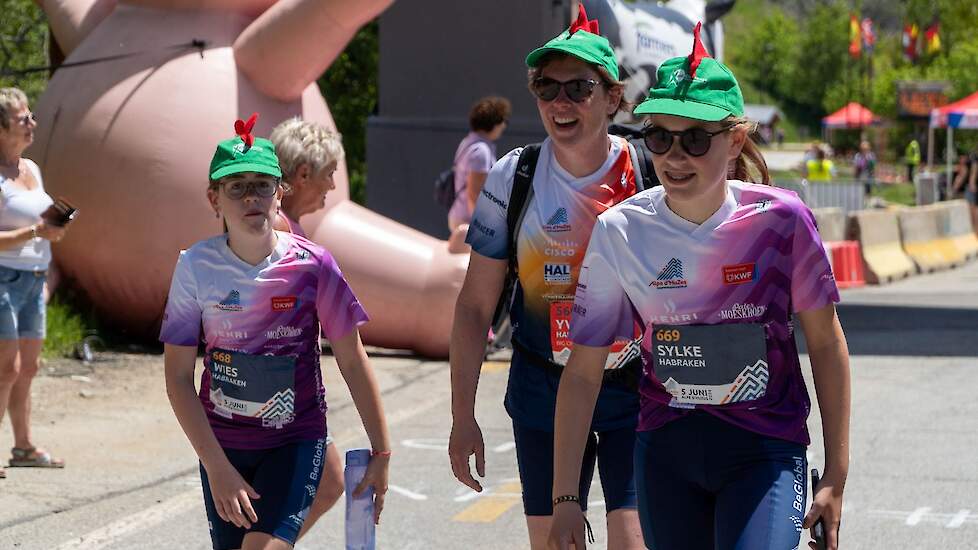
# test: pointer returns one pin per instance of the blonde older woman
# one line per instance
(308, 154)
(25, 253)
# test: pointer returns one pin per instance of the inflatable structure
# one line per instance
(128, 141)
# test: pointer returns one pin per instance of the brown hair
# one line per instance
(489, 112)
(609, 82)
(750, 165)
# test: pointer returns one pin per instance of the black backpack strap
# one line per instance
(519, 198)
(642, 162)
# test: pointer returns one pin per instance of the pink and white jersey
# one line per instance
(716, 300)
(261, 386)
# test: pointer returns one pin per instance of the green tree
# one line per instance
(764, 59)
(350, 88)
(23, 44)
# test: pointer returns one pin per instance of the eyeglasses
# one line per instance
(238, 189)
(26, 119)
(695, 141)
(578, 90)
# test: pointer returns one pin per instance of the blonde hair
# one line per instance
(299, 142)
(11, 99)
(750, 165)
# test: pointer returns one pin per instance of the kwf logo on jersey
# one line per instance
(671, 276)
(739, 274)
(558, 222)
(232, 302)
(556, 273)
(283, 303)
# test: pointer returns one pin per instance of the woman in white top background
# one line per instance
(25, 253)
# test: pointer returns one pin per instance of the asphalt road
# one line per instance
(131, 481)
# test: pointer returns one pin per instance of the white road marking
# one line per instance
(958, 519)
(430, 444)
(917, 515)
(148, 518)
(465, 494)
(504, 447)
(405, 492)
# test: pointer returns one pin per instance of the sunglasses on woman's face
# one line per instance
(578, 90)
(238, 189)
(695, 141)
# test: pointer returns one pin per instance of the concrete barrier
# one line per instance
(878, 233)
(831, 223)
(922, 240)
(954, 226)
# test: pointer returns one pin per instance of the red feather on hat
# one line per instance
(243, 129)
(582, 24)
(699, 51)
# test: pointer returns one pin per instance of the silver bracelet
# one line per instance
(34, 231)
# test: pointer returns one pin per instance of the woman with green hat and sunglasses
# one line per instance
(716, 270)
(581, 171)
(261, 298)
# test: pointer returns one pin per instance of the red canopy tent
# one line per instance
(852, 115)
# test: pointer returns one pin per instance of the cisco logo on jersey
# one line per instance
(231, 302)
(556, 273)
(559, 222)
(671, 276)
(561, 248)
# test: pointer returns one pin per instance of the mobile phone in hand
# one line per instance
(59, 214)
(818, 530)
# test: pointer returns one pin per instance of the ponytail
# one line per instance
(750, 165)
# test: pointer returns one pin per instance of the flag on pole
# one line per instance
(910, 35)
(855, 40)
(869, 37)
(932, 37)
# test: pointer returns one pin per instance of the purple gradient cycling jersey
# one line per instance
(261, 386)
(716, 300)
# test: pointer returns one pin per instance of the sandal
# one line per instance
(33, 458)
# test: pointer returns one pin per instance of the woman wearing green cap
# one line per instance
(581, 171)
(261, 298)
(717, 271)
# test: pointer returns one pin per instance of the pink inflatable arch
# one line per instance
(129, 140)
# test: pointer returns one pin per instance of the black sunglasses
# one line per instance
(695, 141)
(578, 90)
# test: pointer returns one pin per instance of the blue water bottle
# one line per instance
(359, 510)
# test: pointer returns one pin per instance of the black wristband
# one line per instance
(566, 498)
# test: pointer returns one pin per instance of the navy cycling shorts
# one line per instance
(285, 477)
(704, 484)
(611, 450)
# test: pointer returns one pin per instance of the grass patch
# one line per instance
(65, 328)
(897, 193)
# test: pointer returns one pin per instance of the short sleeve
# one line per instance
(338, 308)
(812, 283)
(602, 312)
(182, 314)
(488, 234)
(479, 159)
